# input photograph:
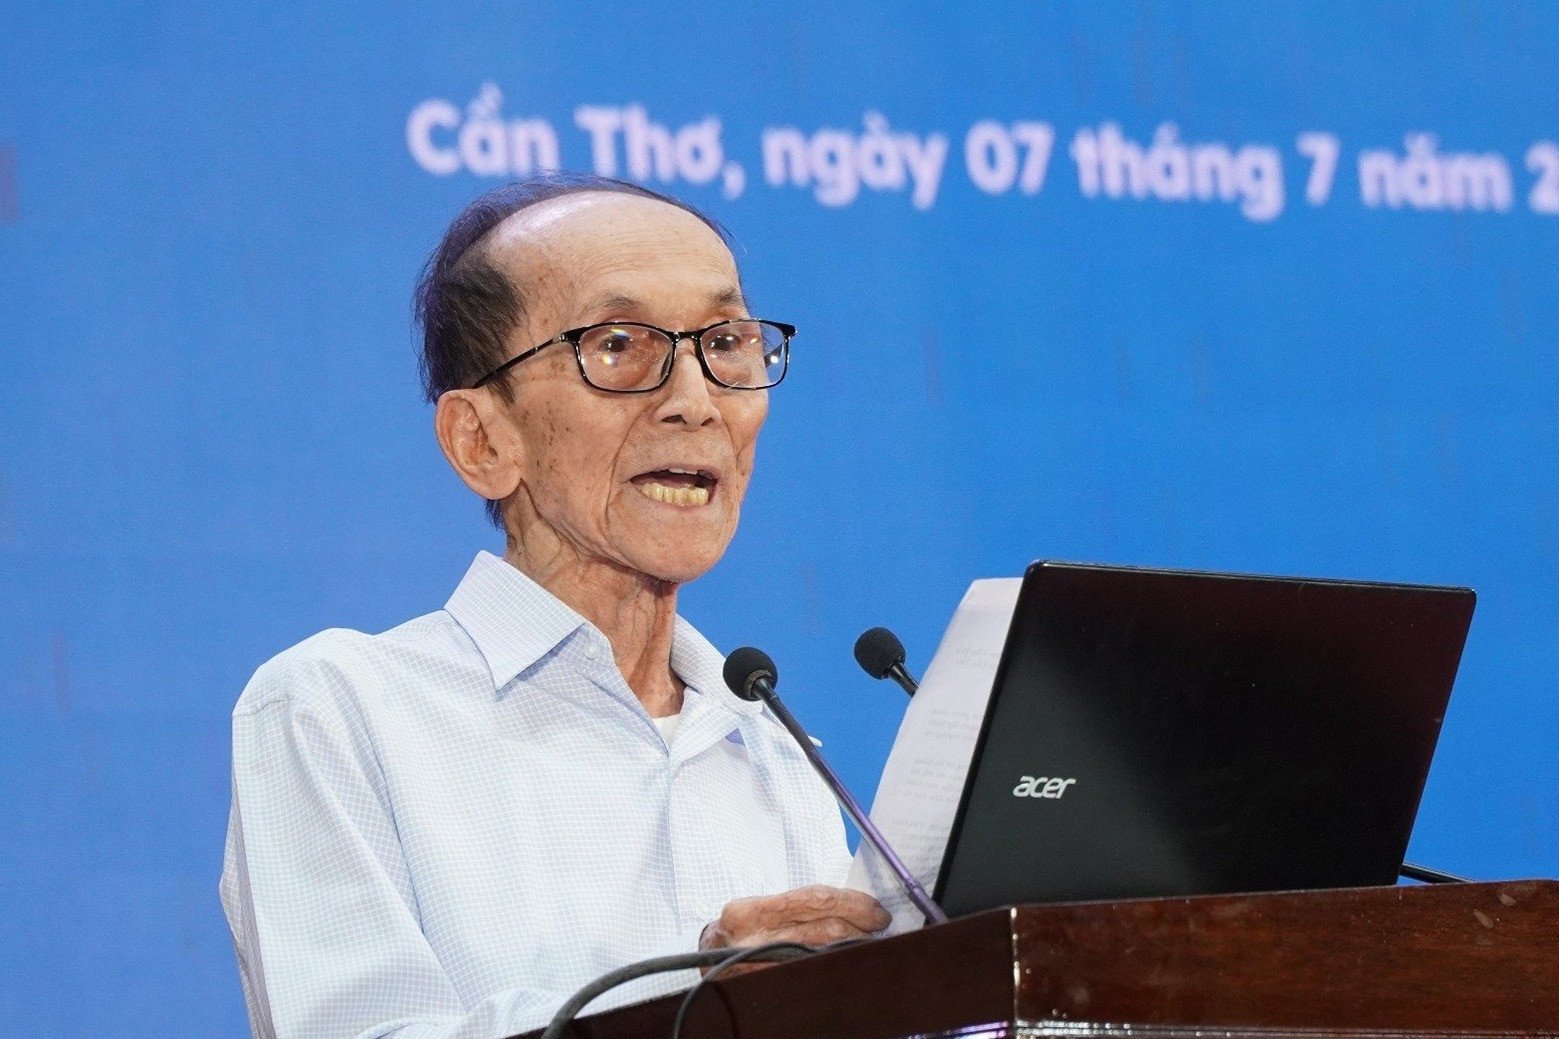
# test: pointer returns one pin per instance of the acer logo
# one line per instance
(1041, 786)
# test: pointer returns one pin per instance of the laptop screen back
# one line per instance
(1156, 733)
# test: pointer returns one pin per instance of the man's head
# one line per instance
(582, 475)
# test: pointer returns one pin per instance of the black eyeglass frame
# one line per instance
(573, 336)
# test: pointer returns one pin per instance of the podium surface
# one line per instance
(1449, 960)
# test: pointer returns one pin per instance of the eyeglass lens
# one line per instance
(744, 354)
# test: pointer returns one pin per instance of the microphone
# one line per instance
(881, 655)
(750, 673)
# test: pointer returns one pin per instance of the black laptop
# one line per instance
(1157, 732)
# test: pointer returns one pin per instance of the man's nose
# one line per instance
(688, 396)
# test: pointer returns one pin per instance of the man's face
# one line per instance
(604, 476)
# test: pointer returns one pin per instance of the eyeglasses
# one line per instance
(629, 357)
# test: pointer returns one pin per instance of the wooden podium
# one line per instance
(1387, 963)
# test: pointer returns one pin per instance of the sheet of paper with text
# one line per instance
(924, 777)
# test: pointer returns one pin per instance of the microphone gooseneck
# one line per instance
(750, 674)
(881, 655)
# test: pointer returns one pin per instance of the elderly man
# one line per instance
(444, 829)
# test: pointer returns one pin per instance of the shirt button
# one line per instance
(592, 650)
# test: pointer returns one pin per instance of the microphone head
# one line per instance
(745, 667)
(878, 651)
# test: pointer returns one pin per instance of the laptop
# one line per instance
(1160, 733)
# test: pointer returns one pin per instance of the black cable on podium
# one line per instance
(714, 959)
(740, 956)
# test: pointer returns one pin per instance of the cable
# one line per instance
(793, 949)
(1430, 876)
(711, 958)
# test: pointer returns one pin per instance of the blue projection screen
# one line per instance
(1259, 287)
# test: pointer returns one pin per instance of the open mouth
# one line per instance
(688, 488)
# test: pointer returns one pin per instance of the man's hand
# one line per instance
(815, 915)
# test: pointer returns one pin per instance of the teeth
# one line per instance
(675, 495)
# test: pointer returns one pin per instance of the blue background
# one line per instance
(212, 442)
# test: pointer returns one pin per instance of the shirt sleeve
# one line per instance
(319, 894)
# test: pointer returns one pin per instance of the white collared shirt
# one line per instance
(444, 830)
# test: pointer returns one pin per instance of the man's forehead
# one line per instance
(592, 246)
(589, 220)
(542, 217)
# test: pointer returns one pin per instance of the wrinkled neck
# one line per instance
(636, 612)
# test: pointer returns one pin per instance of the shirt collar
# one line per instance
(515, 622)
(701, 666)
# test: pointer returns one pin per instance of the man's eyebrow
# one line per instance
(731, 297)
(614, 302)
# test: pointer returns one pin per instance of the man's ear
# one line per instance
(479, 439)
